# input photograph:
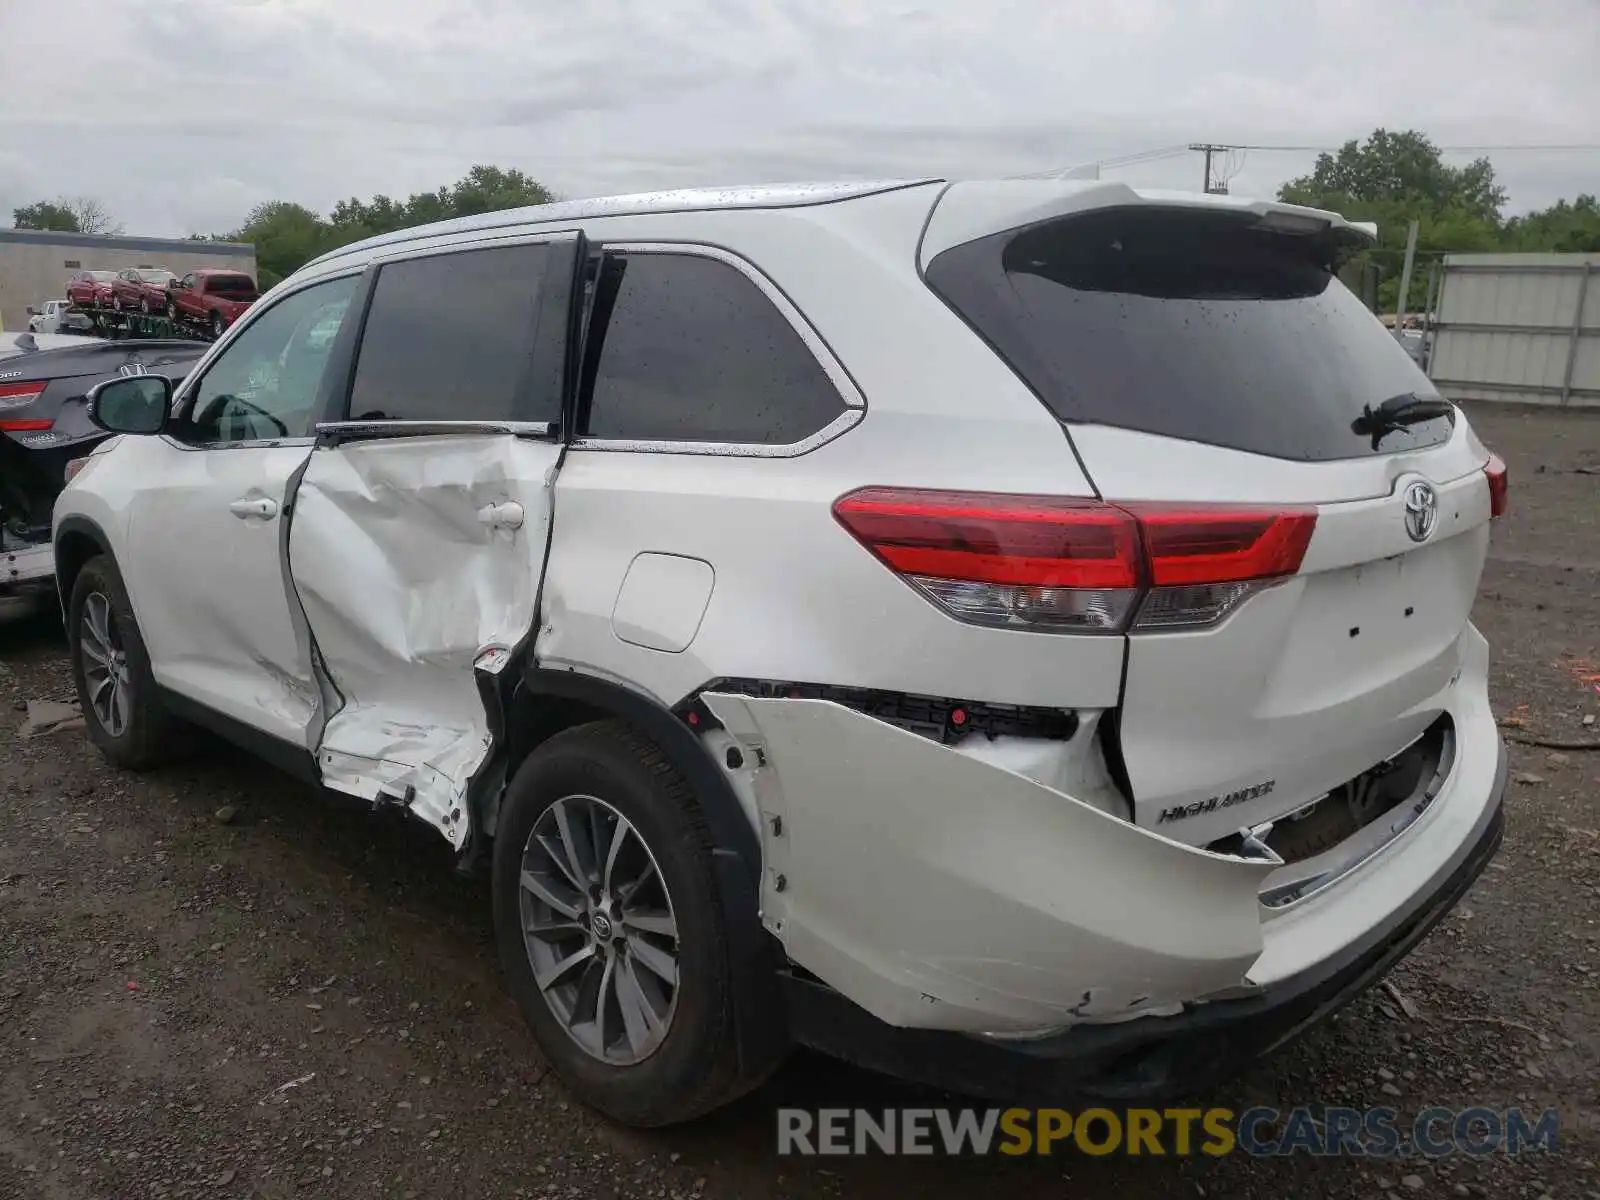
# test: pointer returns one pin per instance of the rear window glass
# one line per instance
(237, 287)
(155, 276)
(1201, 326)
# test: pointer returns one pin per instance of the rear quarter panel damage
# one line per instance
(939, 890)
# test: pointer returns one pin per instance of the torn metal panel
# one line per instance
(411, 557)
(939, 890)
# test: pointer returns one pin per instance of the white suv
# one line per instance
(1014, 634)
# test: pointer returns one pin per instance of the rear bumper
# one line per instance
(1147, 1057)
(27, 580)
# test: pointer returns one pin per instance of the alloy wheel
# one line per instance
(107, 676)
(599, 929)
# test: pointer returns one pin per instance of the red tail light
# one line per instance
(20, 395)
(1495, 472)
(1056, 564)
(25, 424)
(1197, 543)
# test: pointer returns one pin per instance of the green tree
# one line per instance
(1564, 228)
(67, 214)
(45, 215)
(489, 189)
(1393, 179)
(287, 236)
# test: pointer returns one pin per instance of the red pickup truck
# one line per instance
(216, 298)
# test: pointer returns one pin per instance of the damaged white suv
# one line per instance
(1013, 634)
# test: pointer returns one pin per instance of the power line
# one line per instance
(1561, 148)
(1125, 160)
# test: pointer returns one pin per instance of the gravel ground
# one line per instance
(215, 982)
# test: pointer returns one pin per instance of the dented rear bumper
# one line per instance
(1153, 1057)
(937, 891)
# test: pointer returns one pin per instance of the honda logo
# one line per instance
(1422, 511)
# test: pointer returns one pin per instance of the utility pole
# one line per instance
(1208, 150)
(1405, 278)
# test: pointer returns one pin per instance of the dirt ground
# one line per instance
(303, 999)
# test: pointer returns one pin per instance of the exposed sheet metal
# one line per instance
(411, 557)
(939, 890)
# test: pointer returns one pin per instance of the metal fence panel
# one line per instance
(1518, 327)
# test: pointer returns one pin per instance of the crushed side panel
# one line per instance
(939, 890)
(409, 562)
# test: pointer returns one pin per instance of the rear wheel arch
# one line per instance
(546, 702)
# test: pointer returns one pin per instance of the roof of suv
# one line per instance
(777, 195)
(967, 210)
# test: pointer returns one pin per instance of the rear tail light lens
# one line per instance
(1053, 564)
(1031, 562)
(1495, 472)
(20, 395)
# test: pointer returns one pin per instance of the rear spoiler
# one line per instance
(971, 210)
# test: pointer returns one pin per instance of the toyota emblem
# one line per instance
(1422, 511)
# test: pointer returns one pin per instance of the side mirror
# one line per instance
(32, 311)
(131, 404)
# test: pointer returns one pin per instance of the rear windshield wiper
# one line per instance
(1397, 412)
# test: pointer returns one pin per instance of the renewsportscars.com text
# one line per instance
(1260, 1132)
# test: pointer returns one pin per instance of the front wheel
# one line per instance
(218, 325)
(610, 929)
(116, 690)
(144, 306)
(116, 304)
(172, 311)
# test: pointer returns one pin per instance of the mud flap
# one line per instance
(937, 890)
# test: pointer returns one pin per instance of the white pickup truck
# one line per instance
(57, 317)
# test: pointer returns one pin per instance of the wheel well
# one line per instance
(537, 717)
(73, 548)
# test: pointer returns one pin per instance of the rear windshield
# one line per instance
(235, 287)
(1196, 325)
(102, 276)
(156, 276)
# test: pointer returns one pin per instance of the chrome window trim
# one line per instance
(846, 420)
(849, 394)
(465, 242)
(431, 428)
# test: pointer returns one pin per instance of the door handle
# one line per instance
(258, 506)
(502, 516)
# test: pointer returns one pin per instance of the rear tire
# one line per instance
(117, 693)
(599, 778)
(218, 325)
(144, 305)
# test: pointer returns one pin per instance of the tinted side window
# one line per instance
(450, 337)
(690, 349)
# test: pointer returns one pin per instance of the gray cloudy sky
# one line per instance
(180, 116)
